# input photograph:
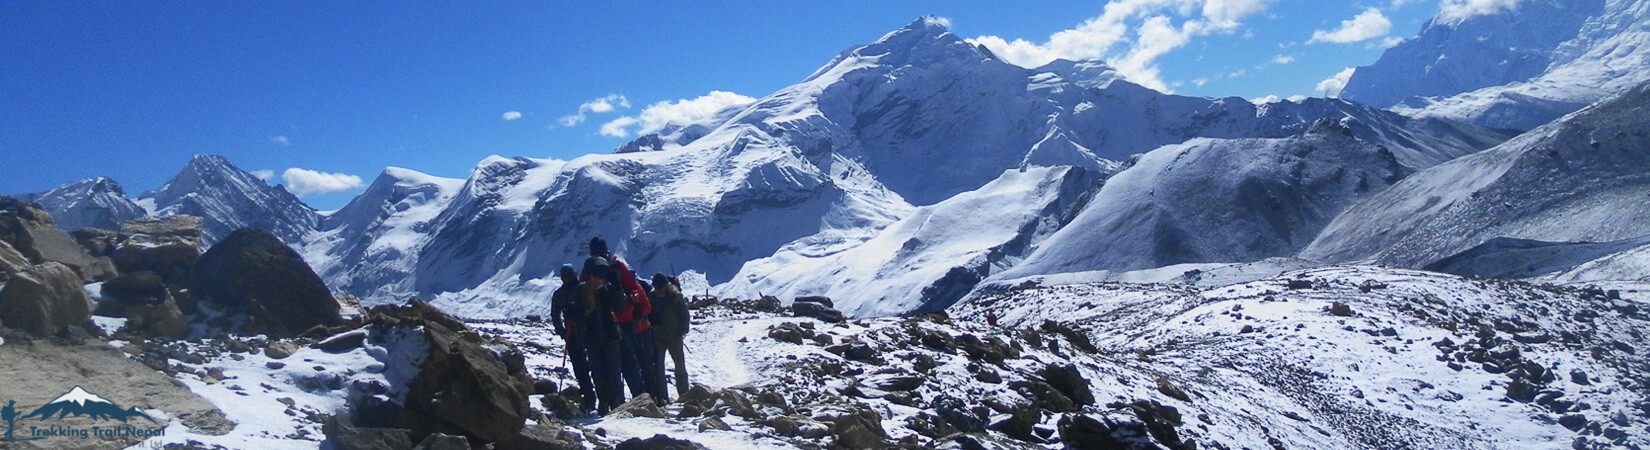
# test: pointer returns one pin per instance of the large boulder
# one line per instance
(816, 310)
(168, 247)
(44, 300)
(252, 273)
(144, 300)
(464, 384)
(345, 436)
(32, 233)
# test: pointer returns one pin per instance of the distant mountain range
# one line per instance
(904, 173)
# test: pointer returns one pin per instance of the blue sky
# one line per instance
(335, 90)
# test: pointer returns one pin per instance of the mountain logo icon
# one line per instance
(78, 402)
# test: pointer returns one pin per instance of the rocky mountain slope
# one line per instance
(228, 198)
(1583, 178)
(91, 203)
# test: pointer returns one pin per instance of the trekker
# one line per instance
(670, 325)
(636, 360)
(600, 334)
(565, 318)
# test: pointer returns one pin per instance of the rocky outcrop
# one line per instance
(252, 273)
(10, 261)
(44, 300)
(168, 247)
(144, 300)
(32, 233)
(464, 385)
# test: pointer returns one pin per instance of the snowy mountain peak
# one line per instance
(90, 203)
(228, 198)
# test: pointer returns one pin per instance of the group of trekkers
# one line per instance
(618, 329)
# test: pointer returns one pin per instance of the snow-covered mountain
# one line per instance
(1218, 200)
(90, 203)
(1583, 178)
(826, 165)
(932, 257)
(227, 198)
(1515, 69)
(369, 247)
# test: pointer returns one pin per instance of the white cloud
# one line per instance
(599, 106)
(1391, 42)
(1265, 100)
(1295, 98)
(511, 115)
(1367, 25)
(303, 182)
(1150, 24)
(1332, 86)
(619, 127)
(264, 174)
(280, 140)
(1200, 81)
(1282, 59)
(1455, 10)
(658, 115)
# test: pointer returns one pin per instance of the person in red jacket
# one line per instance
(641, 371)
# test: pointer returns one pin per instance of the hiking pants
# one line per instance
(652, 367)
(604, 374)
(630, 363)
(675, 348)
(581, 372)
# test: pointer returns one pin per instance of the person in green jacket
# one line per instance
(670, 325)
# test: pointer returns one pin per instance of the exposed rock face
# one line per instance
(251, 272)
(464, 385)
(10, 261)
(32, 233)
(44, 300)
(168, 247)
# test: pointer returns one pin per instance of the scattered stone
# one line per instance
(1169, 389)
(343, 342)
(820, 299)
(540, 437)
(1069, 381)
(713, 423)
(344, 435)
(1339, 309)
(641, 406)
(1044, 396)
(280, 349)
(855, 351)
(658, 442)
(817, 311)
(1020, 423)
(1299, 284)
(899, 383)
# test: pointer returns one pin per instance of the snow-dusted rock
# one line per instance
(1583, 178)
(91, 203)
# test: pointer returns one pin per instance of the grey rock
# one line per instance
(44, 300)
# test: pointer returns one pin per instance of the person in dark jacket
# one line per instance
(600, 335)
(565, 319)
(670, 325)
(631, 313)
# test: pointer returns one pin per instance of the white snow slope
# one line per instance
(1583, 178)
